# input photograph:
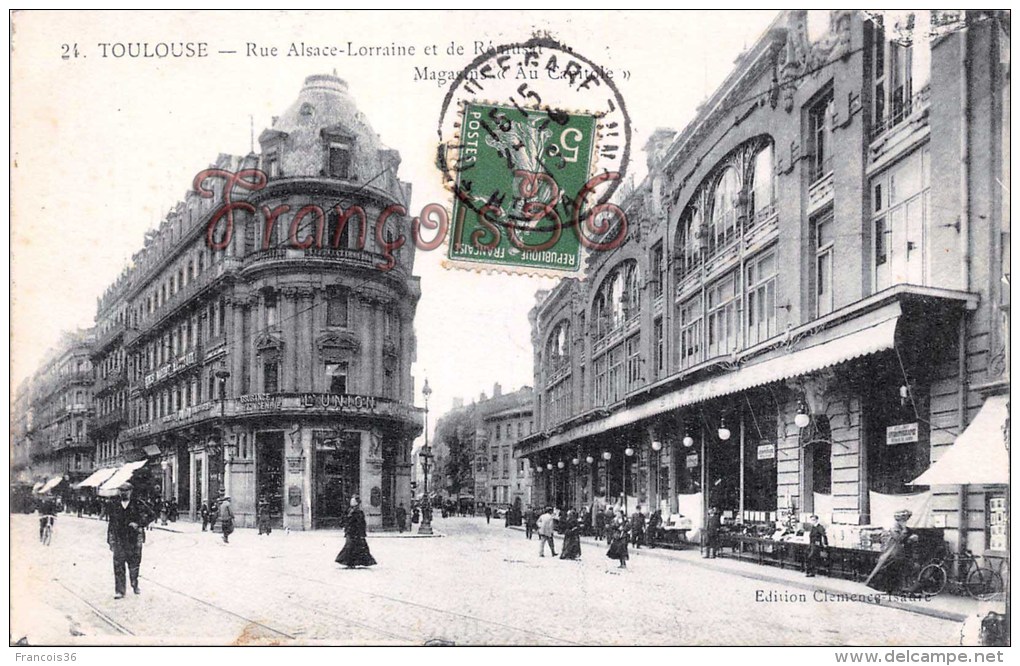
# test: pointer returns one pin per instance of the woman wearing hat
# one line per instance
(355, 552)
(893, 569)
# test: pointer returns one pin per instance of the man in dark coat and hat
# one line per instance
(125, 536)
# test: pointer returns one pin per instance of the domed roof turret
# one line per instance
(323, 116)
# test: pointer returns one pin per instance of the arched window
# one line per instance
(558, 347)
(631, 300)
(689, 244)
(762, 189)
(724, 208)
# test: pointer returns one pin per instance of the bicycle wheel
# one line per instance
(983, 584)
(932, 579)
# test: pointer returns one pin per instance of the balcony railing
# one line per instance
(290, 404)
(902, 110)
(112, 380)
(79, 442)
(346, 256)
(190, 290)
(171, 368)
(105, 339)
(110, 418)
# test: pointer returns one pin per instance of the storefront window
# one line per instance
(996, 521)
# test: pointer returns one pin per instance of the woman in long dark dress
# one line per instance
(892, 571)
(571, 537)
(355, 552)
(618, 541)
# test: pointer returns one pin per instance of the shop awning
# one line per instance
(839, 347)
(123, 474)
(51, 484)
(859, 343)
(979, 455)
(97, 477)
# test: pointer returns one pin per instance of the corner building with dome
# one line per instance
(275, 374)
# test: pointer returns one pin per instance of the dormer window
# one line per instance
(339, 161)
(272, 165)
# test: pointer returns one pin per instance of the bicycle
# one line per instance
(978, 581)
(47, 532)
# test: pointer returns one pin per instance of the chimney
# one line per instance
(482, 397)
(497, 390)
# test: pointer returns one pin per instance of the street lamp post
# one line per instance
(223, 375)
(627, 453)
(426, 456)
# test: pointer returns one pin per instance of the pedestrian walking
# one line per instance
(204, 511)
(609, 517)
(264, 520)
(164, 512)
(213, 513)
(47, 516)
(818, 540)
(174, 511)
(546, 525)
(529, 521)
(488, 515)
(571, 537)
(355, 552)
(892, 571)
(618, 541)
(653, 528)
(600, 524)
(637, 528)
(401, 516)
(125, 536)
(711, 536)
(226, 517)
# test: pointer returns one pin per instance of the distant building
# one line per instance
(50, 416)
(473, 445)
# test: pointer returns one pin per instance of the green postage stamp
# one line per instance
(522, 177)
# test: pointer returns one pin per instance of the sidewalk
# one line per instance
(944, 606)
(186, 526)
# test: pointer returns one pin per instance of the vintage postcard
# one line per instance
(556, 328)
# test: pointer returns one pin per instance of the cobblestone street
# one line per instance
(478, 584)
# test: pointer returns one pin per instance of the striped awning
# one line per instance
(121, 476)
(97, 477)
(51, 484)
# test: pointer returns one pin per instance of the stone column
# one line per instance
(236, 349)
(288, 334)
(194, 493)
(371, 477)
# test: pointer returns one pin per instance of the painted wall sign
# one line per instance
(295, 465)
(294, 496)
(692, 460)
(766, 451)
